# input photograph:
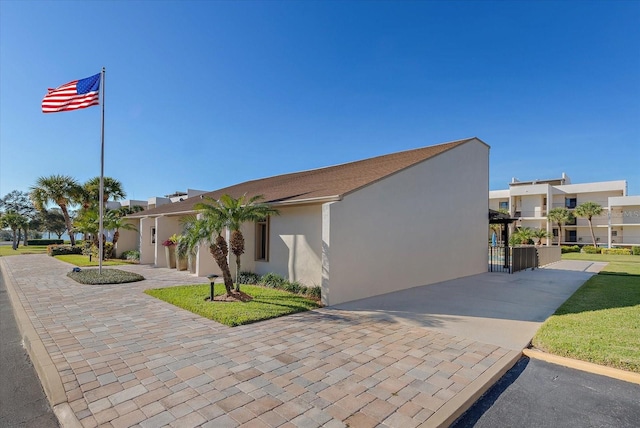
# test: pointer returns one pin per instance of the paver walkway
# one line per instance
(128, 359)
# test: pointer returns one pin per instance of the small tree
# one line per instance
(560, 216)
(59, 189)
(589, 210)
(15, 222)
(522, 235)
(540, 234)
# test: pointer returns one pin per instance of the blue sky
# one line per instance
(207, 94)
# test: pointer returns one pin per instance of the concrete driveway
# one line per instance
(498, 308)
(114, 356)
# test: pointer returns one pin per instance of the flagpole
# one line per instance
(101, 201)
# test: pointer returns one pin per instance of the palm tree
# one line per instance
(59, 189)
(589, 210)
(238, 211)
(522, 236)
(540, 234)
(560, 216)
(208, 229)
(14, 221)
(113, 220)
(112, 189)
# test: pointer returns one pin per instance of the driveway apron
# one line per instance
(127, 359)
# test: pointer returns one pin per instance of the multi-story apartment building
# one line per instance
(530, 201)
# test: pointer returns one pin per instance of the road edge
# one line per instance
(44, 366)
(583, 366)
(454, 408)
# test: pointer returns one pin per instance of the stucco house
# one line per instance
(358, 229)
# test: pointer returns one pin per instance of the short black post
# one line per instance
(212, 280)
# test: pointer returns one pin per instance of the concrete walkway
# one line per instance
(113, 356)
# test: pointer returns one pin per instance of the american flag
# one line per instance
(74, 95)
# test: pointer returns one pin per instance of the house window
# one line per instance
(153, 234)
(555, 233)
(504, 205)
(570, 202)
(614, 233)
(572, 236)
(262, 240)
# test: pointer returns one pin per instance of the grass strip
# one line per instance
(267, 303)
(600, 322)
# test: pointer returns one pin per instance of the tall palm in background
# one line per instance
(237, 211)
(560, 216)
(112, 190)
(62, 190)
(589, 210)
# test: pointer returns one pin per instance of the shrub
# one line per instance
(246, 277)
(570, 249)
(292, 287)
(131, 255)
(617, 251)
(60, 250)
(44, 241)
(590, 249)
(635, 251)
(272, 280)
(107, 250)
(314, 292)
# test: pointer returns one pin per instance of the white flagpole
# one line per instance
(101, 201)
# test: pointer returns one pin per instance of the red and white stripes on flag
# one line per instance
(74, 95)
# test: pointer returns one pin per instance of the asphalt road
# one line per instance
(22, 400)
(538, 394)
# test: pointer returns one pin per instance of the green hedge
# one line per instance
(61, 250)
(590, 249)
(570, 249)
(636, 251)
(617, 251)
(273, 280)
(44, 241)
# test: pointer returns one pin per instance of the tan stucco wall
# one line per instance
(423, 225)
(295, 245)
(147, 248)
(128, 239)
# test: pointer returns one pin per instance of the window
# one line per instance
(572, 236)
(153, 234)
(555, 233)
(504, 205)
(570, 202)
(262, 240)
(614, 233)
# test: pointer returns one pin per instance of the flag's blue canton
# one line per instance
(90, 84)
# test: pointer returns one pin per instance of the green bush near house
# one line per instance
(131, 255)
(59, 250)
(616, 251)
(590, 249)
(570, 249)
(636, 251)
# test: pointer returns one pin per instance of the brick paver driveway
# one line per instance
(127, 359)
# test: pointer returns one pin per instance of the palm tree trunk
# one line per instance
(593, 237)
(67, 222)
(237, 248)
(15, 239)
(219, 252)
(559, 234)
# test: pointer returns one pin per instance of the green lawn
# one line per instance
(6, 250)
(83, 261)
(267, 303)
(600, 323)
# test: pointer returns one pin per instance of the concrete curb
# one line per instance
(45, 368)
(584, 366)
(454, 408)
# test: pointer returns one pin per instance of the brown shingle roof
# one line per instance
(323, 183)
